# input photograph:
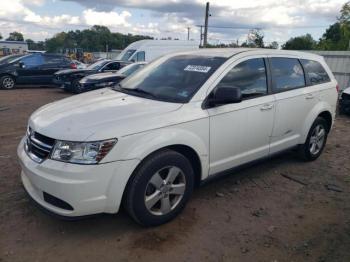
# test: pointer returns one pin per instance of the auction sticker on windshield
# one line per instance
(197, 68)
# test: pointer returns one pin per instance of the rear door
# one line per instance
(294, 100)
(52, 63)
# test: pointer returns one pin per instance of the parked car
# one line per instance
(184, 118)
(148, 50)
(101, 80)
(69, 79)
(32, 69)
(344, 101)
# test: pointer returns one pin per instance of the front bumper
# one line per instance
(88, 189)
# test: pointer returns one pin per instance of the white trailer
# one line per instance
(148, 50)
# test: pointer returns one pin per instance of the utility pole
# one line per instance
(201, 42)
(206, 25)
(188, 33)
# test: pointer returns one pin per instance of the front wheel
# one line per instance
(160, 188)
(316, 140)
(7, 82)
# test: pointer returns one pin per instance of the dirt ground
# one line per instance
(255, 214)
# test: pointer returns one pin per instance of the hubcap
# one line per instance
(8, 83)
(165, 190)
(317, 139)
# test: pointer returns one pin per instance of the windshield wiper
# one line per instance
(120, 88)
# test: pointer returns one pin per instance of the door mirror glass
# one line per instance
(225, 95)
(21, 64)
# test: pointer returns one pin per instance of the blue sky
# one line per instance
(279, 19)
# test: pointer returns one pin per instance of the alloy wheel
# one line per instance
(8, 83)
(317, 139)
(165, 190)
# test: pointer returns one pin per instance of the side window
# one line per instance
(249, 76)
(287, 74)
(53, 60)
(112, 66)
(32, 61)
(140, 56)
(315, 72)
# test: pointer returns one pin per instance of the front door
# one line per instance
(240, 133)
(30, 70)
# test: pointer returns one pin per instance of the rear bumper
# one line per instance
(87, 189)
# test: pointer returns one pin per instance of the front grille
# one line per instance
(38, 146)
(345, 96)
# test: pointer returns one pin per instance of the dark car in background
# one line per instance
(69, 79)
(344, 102)
(108, 79)
(33, 69)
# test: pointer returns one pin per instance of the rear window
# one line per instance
(315, 72)
(287, 74)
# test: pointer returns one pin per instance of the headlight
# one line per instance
(104, 84)
(82, 152)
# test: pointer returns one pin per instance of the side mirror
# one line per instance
(225, 95)
(21, 65)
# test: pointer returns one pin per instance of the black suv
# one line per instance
(35, 69)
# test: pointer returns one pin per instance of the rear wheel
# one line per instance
(7, 82)
(160, 188)
(316, 140)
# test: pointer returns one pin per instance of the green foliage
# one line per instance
(305, 42)
(0, 36)
(256, 38)
(39, 46)
(98, 38)
(15, 36)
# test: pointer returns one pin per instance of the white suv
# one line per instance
(150, 140)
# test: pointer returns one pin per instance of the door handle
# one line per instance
(309, 96)
(266, 107)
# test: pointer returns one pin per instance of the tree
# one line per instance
(273, 45)
(305, 42)
(345, 14)
(15, 36)
(0, 36)
(40, 45)
(256, 38)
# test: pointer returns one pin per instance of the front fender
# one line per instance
(139, 146)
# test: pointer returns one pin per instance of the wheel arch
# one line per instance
(323, 110)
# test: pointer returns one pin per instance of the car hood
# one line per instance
(73, 71)
(347, 91)
(98, 115)
(102, 77)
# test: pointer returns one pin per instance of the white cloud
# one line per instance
(113, 19)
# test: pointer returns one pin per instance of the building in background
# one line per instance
(13, 47)
(339, 63)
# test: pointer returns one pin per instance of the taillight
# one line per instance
(337, 87)
(73, 66)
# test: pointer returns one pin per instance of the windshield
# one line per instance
(129, 69)
(97, 65)
(9, 59)
(127, 55)
(174, 79)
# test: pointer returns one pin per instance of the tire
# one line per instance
(76, 87)
(7, 82)
(149, 200)
(316, 140)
